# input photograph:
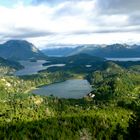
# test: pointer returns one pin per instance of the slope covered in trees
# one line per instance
(8, 66)
(106, 116)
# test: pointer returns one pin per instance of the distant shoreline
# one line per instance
(124, 59)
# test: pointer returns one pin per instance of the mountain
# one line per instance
(75, 59)
(77, 63)
(108, 51)
(8, 66)
(58, 51)
(117, 51)
(20, 50)
(66, 50)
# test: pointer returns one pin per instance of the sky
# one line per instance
(45, 22)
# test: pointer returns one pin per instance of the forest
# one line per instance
(112, 114)
(69, 69)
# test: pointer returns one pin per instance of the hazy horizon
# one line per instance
(60, 45)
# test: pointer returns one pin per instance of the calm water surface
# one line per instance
(33, 67)
(124, 59)
(76, 88)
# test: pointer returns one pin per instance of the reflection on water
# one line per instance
(33, 67)
(76, 88)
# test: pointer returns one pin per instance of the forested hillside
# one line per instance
(70, 70)
(8, 66)
(110, 114)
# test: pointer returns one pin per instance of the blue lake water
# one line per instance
(33, 67)
(75, 88)
(124, 59)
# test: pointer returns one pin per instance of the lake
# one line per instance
(75, 88)
(124, 59)
(33, 67)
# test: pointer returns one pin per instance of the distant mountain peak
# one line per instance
(18, 42)
(109, 51)
(20, 50)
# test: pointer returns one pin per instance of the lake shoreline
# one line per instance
(125, 59)
(72, 88)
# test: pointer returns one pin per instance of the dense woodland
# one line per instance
(112, 114)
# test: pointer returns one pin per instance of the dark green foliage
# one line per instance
(134, 127)
(63, 128)
(9, 63)
(8, 66)
(107, 116)
(34, 117)
(76, 64)
(129, 64)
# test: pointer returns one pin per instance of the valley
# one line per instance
(68, 97)
(69, 69)
(74, 88)
(30, 67)
(107, 51)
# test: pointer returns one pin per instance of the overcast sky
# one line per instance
(45, 22)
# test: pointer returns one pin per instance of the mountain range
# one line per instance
(107, 51)
(24, 50)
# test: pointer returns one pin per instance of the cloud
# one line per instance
(27, 33)
(118, 6)
(126, 11)
(37, 2)
(71, 21)
(54, 2)
(134, 19)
